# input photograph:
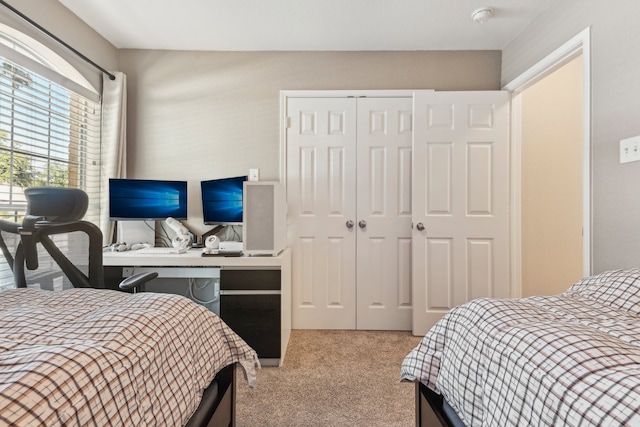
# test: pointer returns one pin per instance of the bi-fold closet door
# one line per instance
(348, 168)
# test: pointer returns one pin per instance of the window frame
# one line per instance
(66, 117)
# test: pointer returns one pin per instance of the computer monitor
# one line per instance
(145, 199)
(222, 200)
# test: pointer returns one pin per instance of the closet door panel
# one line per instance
(384, 213)
(321, 182)
(460, 201)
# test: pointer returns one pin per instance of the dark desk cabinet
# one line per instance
(250, 305)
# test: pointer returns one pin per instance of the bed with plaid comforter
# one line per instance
(99, 357)
(571, 359)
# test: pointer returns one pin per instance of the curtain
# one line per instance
(113, 144)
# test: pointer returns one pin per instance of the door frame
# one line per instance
(578, 45)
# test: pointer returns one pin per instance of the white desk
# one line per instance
(192, 258)
(232, 283)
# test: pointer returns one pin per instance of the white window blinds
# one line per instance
(49, 136)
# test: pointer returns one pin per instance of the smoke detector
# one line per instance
(482, 14)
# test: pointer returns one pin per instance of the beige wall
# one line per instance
(552, 182)
(58, 20)
(615, 85)
(204, 115)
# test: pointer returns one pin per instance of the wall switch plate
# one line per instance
(254, 174)
(630, 150)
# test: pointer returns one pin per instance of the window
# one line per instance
(49, 136)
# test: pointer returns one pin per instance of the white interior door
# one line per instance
(460, 201)
(384, 214)
(321, 185)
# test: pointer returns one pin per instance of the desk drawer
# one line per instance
(255, 280)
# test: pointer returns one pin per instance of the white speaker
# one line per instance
(212, 242)
(264, 217)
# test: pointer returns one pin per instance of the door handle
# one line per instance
(349, 224)
(420, 226)
(362, 223)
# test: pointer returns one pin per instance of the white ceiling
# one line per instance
(346, 25)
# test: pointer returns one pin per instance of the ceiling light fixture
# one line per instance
(482, 14)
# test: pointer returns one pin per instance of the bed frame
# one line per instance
(218, 405)
(433, 410)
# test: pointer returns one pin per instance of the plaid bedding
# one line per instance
(570, 359)
(99, 357)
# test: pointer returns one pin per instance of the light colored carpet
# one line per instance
(333, 378)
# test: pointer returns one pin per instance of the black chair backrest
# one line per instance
(57, 204)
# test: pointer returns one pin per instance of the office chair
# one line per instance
(52, 211)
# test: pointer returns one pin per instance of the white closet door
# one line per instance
(321, 183)
(460, 201)
(384, 214)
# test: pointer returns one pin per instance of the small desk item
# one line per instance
(162, 250)
(222, 253)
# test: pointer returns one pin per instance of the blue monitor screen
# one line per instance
(222, 200)
(140, 199)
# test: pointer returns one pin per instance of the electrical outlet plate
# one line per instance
(630, 150)
(254, 174)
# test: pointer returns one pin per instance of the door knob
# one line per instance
(349, 224)
(420, 226)
(362, 223)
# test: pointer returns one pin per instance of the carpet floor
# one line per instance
(333, 378)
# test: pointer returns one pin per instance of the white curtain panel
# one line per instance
(113, 144)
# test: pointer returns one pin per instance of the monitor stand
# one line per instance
(132, 232)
